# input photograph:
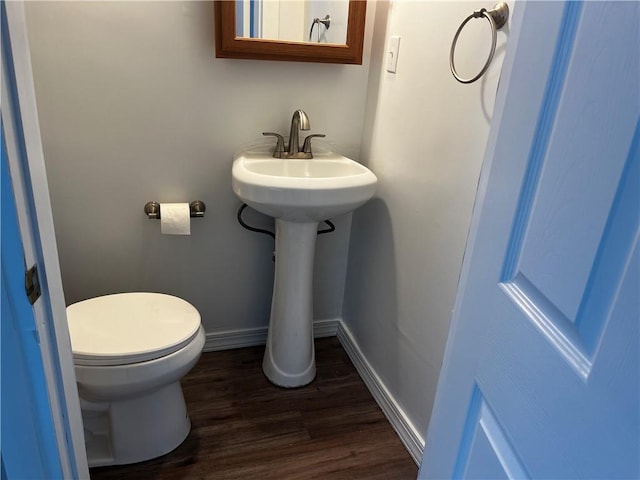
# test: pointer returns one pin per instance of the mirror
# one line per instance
(334, 46)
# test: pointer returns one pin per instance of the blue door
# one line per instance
(29, 449)
(541, 370)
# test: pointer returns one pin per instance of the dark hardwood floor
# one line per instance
(243, 427)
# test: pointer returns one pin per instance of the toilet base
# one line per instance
(135, 429)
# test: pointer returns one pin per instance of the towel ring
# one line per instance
(497, 18)
(326, 21)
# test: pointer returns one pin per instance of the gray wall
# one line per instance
(424, 136)
(135, 107)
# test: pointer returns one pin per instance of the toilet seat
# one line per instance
(126, 328)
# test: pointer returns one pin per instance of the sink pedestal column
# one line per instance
(289, 358)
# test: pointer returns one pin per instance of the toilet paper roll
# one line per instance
(175, 219)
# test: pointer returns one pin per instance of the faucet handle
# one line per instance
(306, 147)
(279, 150)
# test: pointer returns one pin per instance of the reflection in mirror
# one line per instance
(315, 21)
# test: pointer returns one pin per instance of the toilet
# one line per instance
(130, 351)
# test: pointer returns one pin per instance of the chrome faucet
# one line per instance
(299, 121)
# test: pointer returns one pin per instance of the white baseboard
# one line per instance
(249, 337)
(409, 435)
(230, 339)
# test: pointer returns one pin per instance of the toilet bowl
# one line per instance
(130, 351)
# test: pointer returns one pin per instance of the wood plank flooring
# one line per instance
(243, 427)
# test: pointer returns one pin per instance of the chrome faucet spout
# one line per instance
(299, 121)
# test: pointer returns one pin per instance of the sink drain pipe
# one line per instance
(331, 226)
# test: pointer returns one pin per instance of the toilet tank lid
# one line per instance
(130, 327)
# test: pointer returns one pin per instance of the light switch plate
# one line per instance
(392, 54)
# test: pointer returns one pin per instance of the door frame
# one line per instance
(35, 220)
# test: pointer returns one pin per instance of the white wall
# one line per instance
(286, 19)
(424, 137)
(135, 107)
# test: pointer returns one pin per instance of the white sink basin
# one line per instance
(301, 190)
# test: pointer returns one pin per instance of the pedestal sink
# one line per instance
(298, 194)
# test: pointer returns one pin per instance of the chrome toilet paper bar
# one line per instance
(196, 209)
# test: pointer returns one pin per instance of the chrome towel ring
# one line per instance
(326, 21)
(497, 18)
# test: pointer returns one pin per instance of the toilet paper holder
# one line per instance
(196, 209)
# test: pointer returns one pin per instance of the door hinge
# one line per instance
(32, 284)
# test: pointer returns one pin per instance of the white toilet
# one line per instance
(130, 351)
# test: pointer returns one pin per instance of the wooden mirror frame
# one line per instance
(230, 46)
